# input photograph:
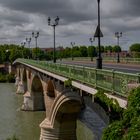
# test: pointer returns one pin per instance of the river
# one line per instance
(25, 125)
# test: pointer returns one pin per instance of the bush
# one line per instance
(7, 78)
(10, 78)
(128, 128)
(111, 106)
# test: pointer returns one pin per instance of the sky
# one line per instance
(78, 21)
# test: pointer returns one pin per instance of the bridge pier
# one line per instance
(65, 130)
(27, 102)
(60, 123)
(33, 103)
(16, 81)
(20, 88)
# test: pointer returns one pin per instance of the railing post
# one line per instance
(95, 77)
(83, 73)
(138, 77)
(113, 83)
(69, 72)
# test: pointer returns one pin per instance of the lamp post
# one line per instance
(56, 21)
(118, 35)
(23, 45)
(72, 44)
(91, 41)
(29, 41)
(98, 34)
(35, 35)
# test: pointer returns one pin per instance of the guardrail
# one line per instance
(109, 80)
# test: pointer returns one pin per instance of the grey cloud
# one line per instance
(116, 15)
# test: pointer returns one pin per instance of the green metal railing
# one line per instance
(109, 80)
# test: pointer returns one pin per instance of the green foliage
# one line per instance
(10, 78)
(91, 51)
(68, 83)
(108, 48)
(2, 78)
(111, 106)
(83, 51)
(128, 128)
(135, 47)
(114, 131)
(7, 78)
(116, 49)
(135, 50)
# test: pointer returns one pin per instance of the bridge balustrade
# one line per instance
(109, 80)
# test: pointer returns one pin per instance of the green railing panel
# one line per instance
(112, 81)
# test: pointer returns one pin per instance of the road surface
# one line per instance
(129, 68)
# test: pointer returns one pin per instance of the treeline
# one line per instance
(8, 53)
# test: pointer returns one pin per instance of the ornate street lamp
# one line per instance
(56, 21)
(28, 40)
(118, 35)
(35, 35)
(98, 34)
(91, 41)
(72, 44)
(23, 45)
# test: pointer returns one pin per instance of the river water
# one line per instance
(25, 125)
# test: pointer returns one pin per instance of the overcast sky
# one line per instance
(78, 21)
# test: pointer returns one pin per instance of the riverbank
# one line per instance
(7, 78)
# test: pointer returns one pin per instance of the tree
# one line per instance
(2, 56)
(108, 48)
(91, 52)
(116, 49)
(83, 51)
(135, 50)
(135, 47)
(14, 54)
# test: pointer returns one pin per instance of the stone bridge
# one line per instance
(45, 90)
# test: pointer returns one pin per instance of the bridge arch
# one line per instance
(37, 93)
(50, 89)
(61, 122)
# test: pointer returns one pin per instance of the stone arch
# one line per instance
(24, 79)
(50, 89)
(37, 93)
(63, 116)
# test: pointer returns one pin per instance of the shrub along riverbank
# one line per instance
(10, 78)
(127, 127)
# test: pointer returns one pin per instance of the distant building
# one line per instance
(114, 54)
(51, 49)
